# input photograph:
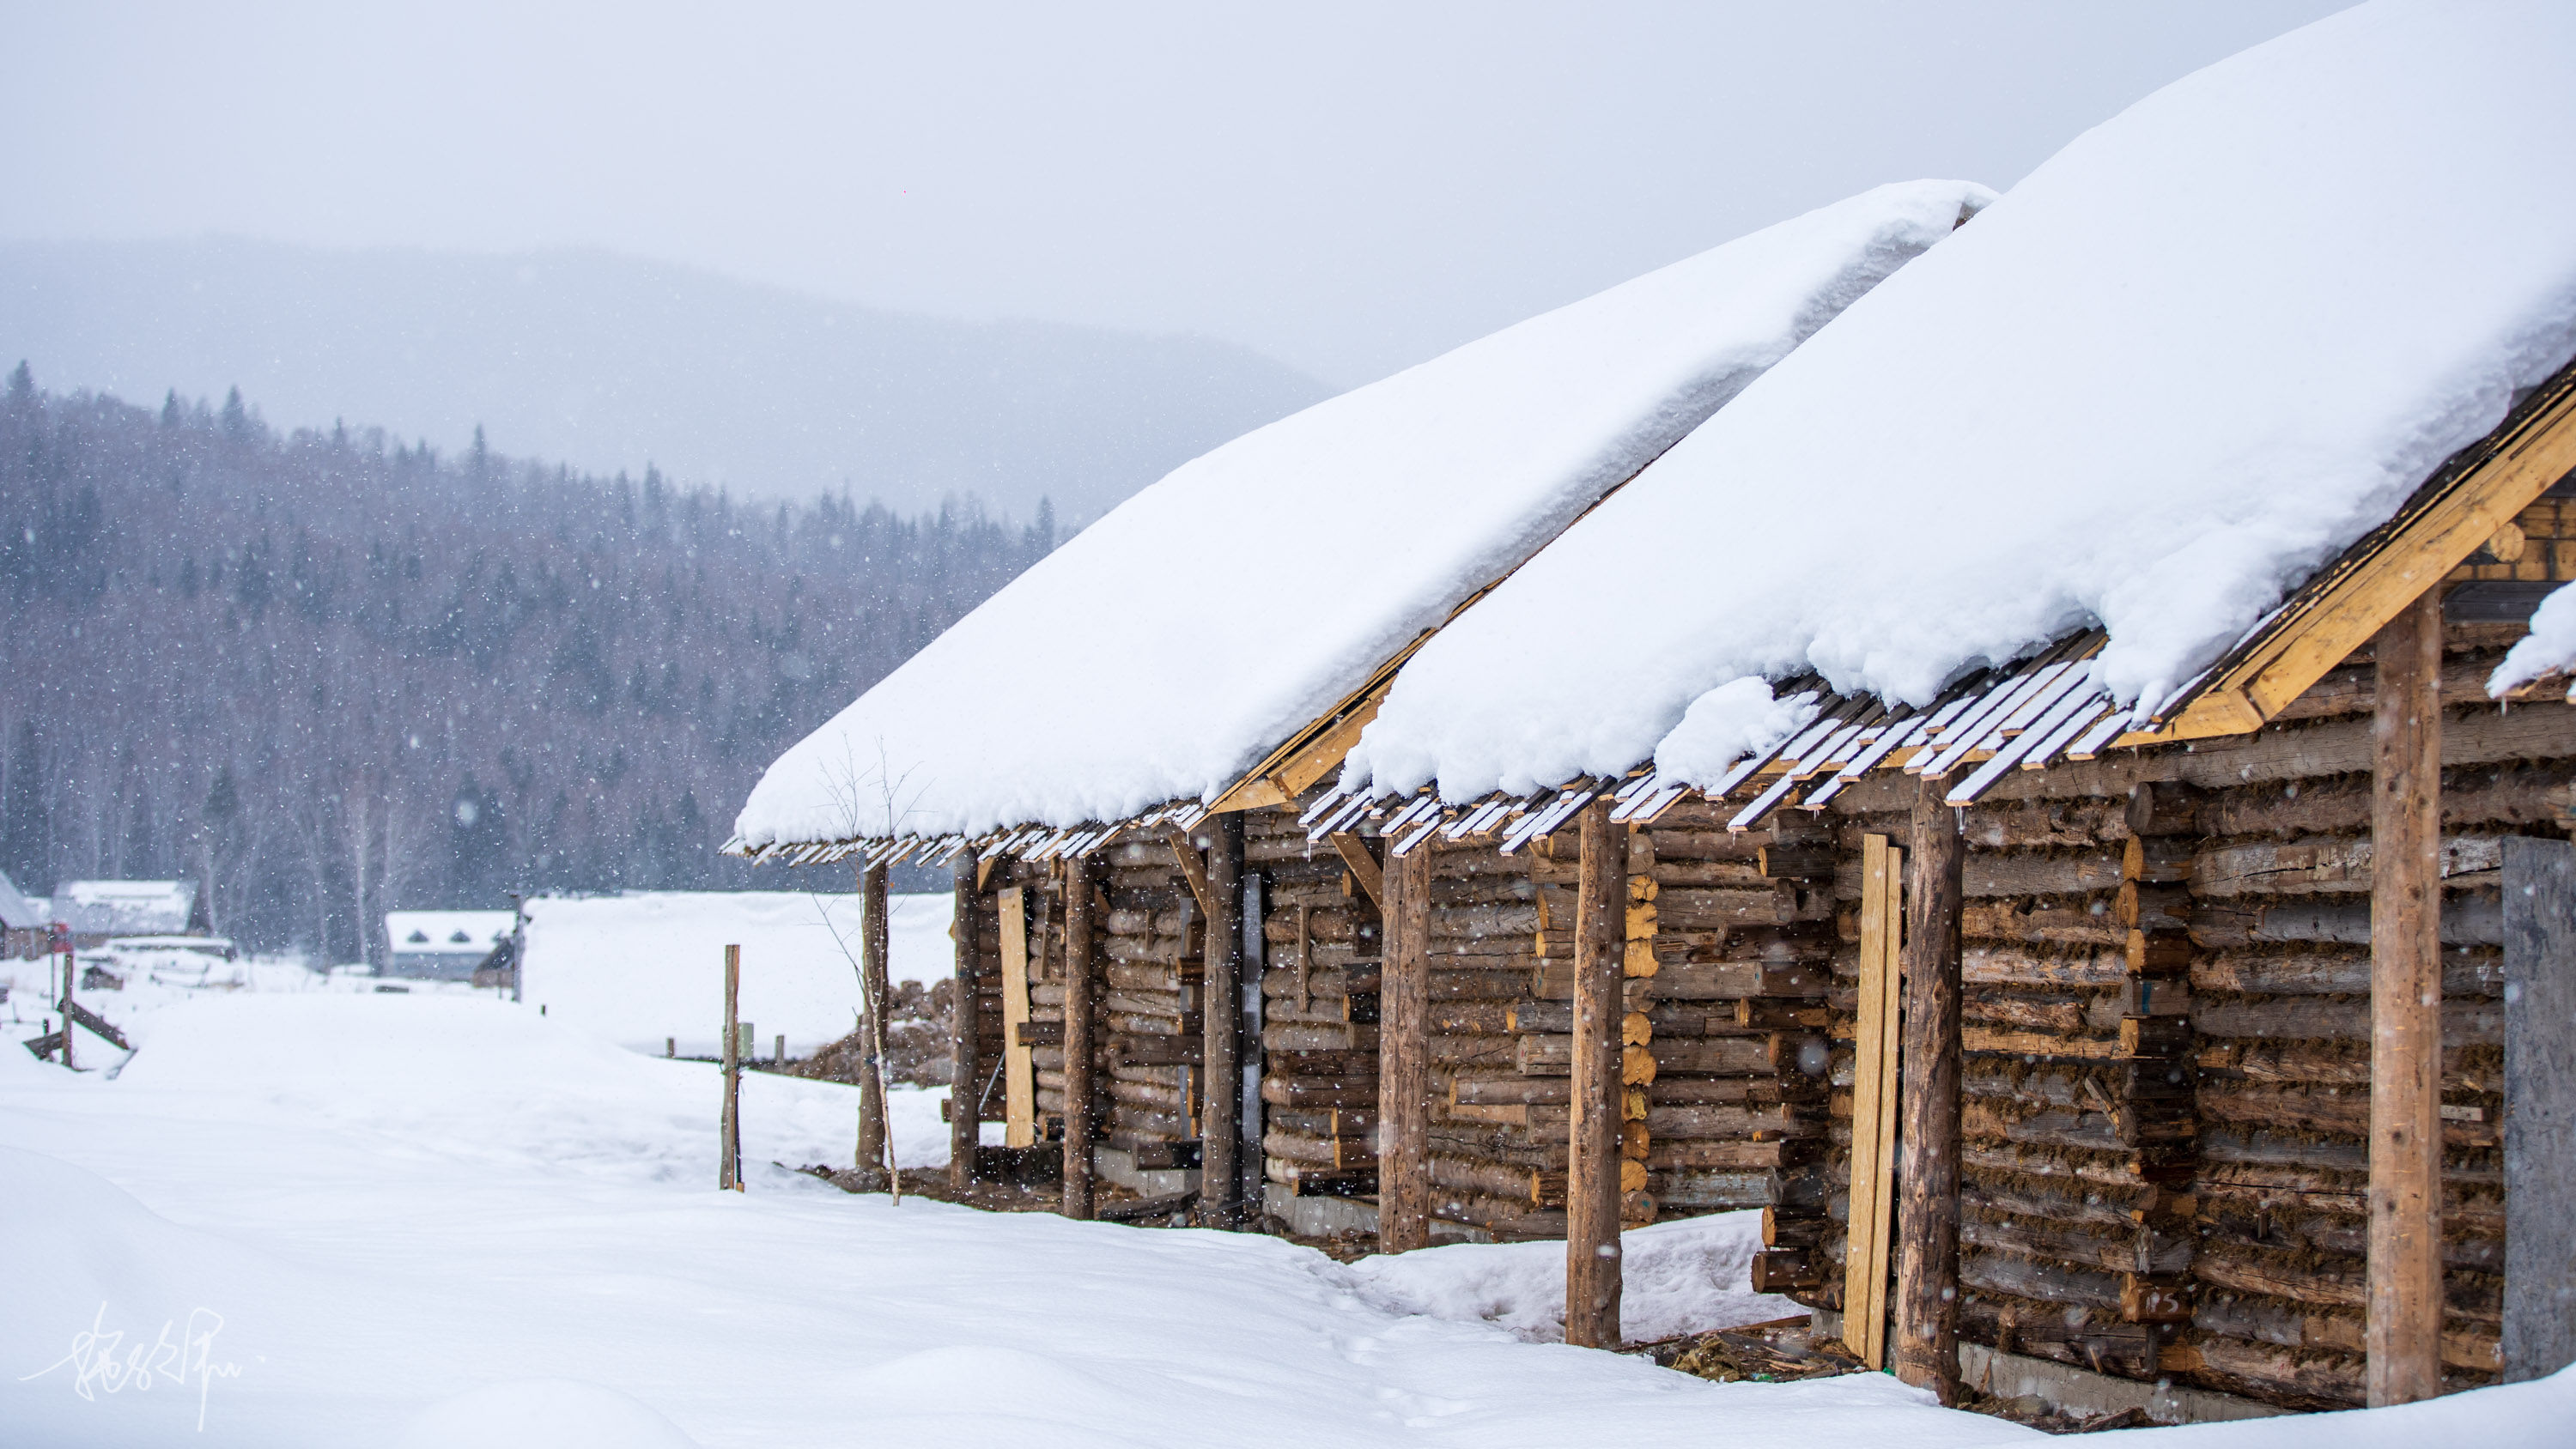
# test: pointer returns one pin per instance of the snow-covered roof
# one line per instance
(126, 907)
(2191, 358)
(1164, 650)
(448, 933)
(19, 911)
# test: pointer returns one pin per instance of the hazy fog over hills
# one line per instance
(607, 362)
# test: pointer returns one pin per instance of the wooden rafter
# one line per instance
(1193, 869)
(1364, 866)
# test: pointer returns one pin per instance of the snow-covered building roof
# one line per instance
(127, 907)
(2212, 356)
(19, 911)
(448, 933)
(1166, 651)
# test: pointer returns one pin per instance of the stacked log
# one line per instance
(1499, 1150)
(2167, 1044)
(2279, 923)
(1730, 944)
(2076, 1091)
(1148, 1004)
(1319, 1013)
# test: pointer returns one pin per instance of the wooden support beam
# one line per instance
(1253, 937)
(1592, 1266)
(1927, 1260)
(1194, 869)
(728, 1130)
(874, 937)
(966, 1074)
(1080, 975)
(1019, 1068)
(1354, 850)
(2404, 1338)
(2539, 1108)
(1221, 1022)
(1874, 1063)
(1404, 1060)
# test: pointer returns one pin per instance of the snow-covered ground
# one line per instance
(646, 970)
(334, 1217)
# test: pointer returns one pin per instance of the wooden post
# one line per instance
(1404, 1058)
(71, 974)
(1592, 1266)
(1221, 1022)
(1078, 978)
(2539, 1107)
(875, 935)
(729, 1129)
(1927, 1260)
(2404, 1336)
(966, 1076)
(1255, 954)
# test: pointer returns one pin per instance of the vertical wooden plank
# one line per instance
(1221, 1022)
(2404, 1336)
(966, 1074)
(874, 936)
(729, 1129)
(1404, 1058)
(1927, 1261)
(1079, 976)
(1874, 1060)
(2539, 1107)
(1592, 1264)
(1019, 1069)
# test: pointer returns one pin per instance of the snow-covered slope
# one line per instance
(1163, 650)
(2198, 352)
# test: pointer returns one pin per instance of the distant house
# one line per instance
(23, 922)
(100, 910)
(447, 945)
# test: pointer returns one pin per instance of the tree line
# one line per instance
(328, 673)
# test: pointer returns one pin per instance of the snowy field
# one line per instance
(647, 969)
(336, 1217)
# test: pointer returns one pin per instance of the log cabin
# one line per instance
(1165, 979)
(2165, 754)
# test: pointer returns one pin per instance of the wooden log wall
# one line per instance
(1725, 985)
(2166, 1070)
(1319, 1033)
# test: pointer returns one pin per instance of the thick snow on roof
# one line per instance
(2197, 353)
(19, 911)
(126, 907)
(1161, 652)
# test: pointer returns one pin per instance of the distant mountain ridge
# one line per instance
(608, 361)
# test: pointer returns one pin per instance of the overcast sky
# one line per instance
(1350, 188)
